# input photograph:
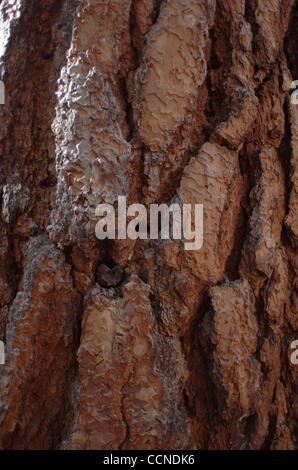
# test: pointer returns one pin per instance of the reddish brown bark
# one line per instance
(160, 101)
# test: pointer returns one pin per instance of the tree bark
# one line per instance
(161, 101)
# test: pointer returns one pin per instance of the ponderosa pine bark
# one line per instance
(160, 101)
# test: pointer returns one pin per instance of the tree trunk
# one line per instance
(141, 344)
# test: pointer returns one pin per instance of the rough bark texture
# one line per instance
(158, 100)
